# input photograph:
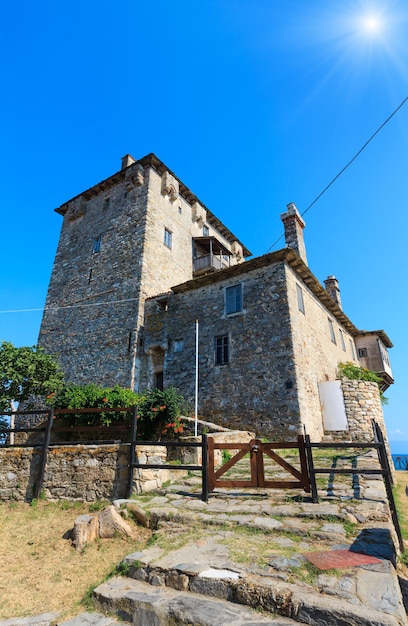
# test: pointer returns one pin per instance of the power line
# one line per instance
(346, 166)
(75, 306)
(70, 306)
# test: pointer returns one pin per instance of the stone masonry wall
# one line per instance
(85, 473)
(363, 403)
(318, 353)
(256, 390)
(94, 332)
(95, 303)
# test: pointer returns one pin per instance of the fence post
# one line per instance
(44, 453)
(387, 477)
(303, 464)
(312, 475)
(132, 453)
(204, 470)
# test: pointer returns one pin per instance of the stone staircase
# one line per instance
(241, 558)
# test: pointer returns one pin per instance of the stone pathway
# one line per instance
(241, 558)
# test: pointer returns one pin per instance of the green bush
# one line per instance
(159, 413)
(94, 396)
(158, 410)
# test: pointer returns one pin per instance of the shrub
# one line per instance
(159, 413)
(93, 396)
(158, 410)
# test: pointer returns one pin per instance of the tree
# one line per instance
(26, 372)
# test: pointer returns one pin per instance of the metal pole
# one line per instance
(196, 382)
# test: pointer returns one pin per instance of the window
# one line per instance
(299, 295)
(221, 350)
(343, 345)
(353, 352)
(233, 299)
(331, 331)
(178, 345)
(206, 231)
(96, 246)
(362, 352)
(167, 237)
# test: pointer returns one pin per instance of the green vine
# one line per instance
(355, 372)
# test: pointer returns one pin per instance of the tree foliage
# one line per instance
(26, 372)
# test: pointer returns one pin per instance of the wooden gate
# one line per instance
(256, 450)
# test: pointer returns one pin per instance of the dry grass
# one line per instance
(40, 571)
(401, 499)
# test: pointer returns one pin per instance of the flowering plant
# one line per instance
(159, 413)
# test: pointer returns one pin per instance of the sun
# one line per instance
(371, 24)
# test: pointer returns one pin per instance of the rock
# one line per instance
(138, 514)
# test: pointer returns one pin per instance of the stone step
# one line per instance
(148, 605)
(145, 605)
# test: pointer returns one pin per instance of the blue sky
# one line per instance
(252, 104)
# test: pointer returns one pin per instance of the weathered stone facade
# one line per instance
(141, 259)
(279, 348)
(128, 238)
(363, 403)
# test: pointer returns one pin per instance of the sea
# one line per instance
(400, 461)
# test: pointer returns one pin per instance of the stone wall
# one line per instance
(256, 390)
(111, 256)
(93, 331)
(78, 472)
(363, 403)
(318, 352)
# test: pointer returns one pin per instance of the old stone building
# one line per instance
(145, 274)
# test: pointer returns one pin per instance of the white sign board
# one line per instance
(332, 403)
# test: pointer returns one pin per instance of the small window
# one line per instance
(362, 352)
(178, 345)
(167, 237)
(352, 350)
(206, 231)
(233, 299)
(299, 295)
(331, 331)
(343, 345)
(179, 210)
(221, 350)
(96, 246)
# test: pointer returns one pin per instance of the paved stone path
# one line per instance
(214, 563)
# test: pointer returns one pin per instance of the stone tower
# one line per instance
(130, 237)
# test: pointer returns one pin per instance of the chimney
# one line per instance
(332, 287)
(127, 160)
(294, 226)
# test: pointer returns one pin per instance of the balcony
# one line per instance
(209, 255)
